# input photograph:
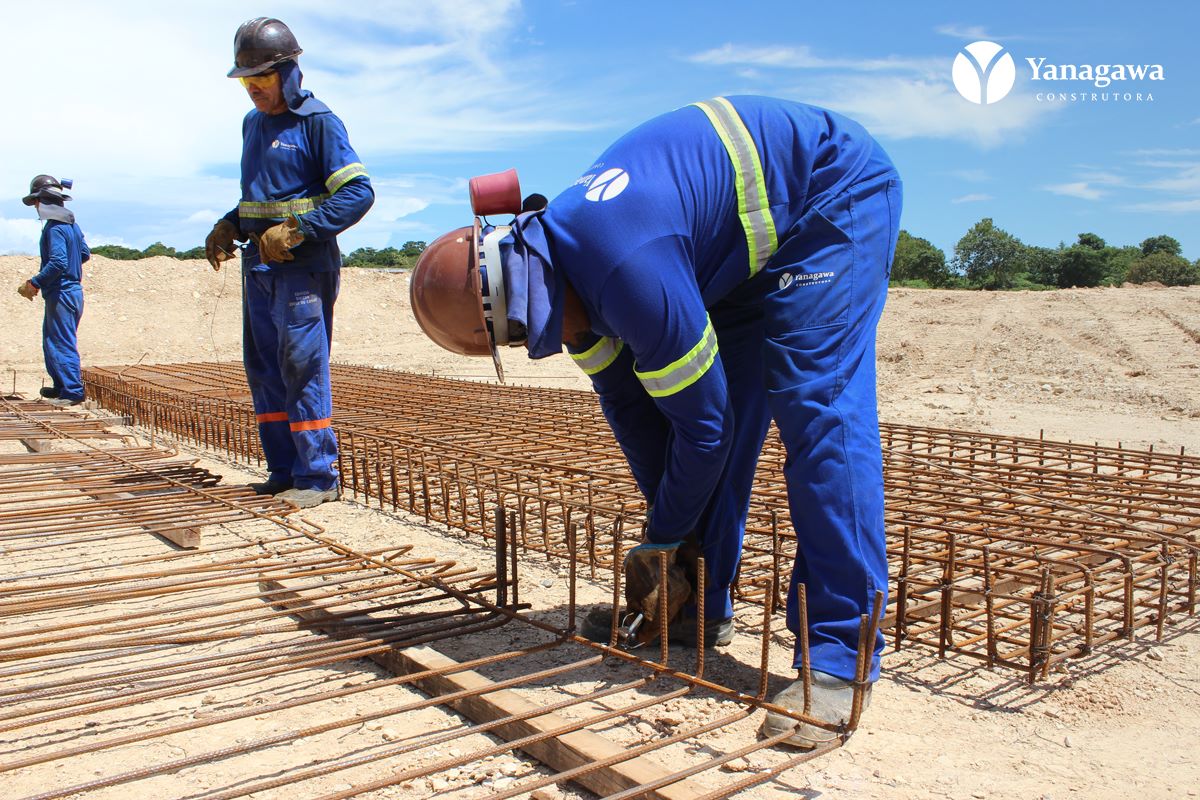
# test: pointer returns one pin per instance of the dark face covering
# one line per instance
(299, 101)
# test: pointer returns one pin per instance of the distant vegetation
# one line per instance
(389, 257)
(986, 257)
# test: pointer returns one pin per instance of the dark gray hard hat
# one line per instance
(260, 44)
(46, 189)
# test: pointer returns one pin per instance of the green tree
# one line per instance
(1165, 268)
(116, 252)
(1043, 264)
(158, 249)
(412, 248)
(1081, 265)
(1117, 264)
(1161, 244)
(1091, 241)
(989, 257)
(191, 255)
(916, 259)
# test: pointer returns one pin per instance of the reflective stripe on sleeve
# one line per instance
(272, 416)
(278, 209)
(343, 176)
(599, 355)
(754, 209)
(310, 425)
(682, 373)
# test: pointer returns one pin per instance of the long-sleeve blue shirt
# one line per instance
(650, 238)
(63, 252)
(302, 165)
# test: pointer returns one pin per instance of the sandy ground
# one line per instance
(1106, 365)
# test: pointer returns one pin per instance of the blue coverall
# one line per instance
(298, 163)
(733, 258)
(63, 252)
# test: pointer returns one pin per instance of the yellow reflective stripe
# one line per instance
(343, 176)
(277, 209)
(754, 209)
(597, 357)
(683, 372)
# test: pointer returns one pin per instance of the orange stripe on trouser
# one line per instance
(273, 416)
(310, 425)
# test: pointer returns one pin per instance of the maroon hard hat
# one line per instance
(260, 44)
(457, 293)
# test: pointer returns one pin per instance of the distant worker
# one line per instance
(719, 266)
(302, 185)
(59, 280)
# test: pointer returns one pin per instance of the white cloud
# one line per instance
(973, 175)
(904, 108)
(803, 57)
(1167, 206)
(893, 97)
(972, 198)
(158, 140)
(19, 235)
(1080, 189)
(969, 33)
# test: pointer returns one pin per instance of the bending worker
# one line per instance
(63, 252)
(302, 185)
(719, 266)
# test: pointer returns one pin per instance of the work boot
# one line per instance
(268, 487)
(48, 392)
(308, 498)
(597, 626)
(832, 701)
(63, 402)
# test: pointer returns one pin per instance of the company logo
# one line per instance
(275, 145)
(787, 279)
(607, 185)
(984, 72)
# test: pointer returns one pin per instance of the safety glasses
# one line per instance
(264, 81)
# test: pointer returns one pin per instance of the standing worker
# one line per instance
(63, 252)
(719, 266)
(302, 185)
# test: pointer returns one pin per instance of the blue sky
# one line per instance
(130, 100)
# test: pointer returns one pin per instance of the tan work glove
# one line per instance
(642, 587)
(275, 243)
(218, 246)
(27, 290)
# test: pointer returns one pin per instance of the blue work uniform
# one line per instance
(733, 258)
(63, 251)
(295, 164)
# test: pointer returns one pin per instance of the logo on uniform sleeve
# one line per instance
(607, 185)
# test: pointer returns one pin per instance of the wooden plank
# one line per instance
(559, 753)
(39, 445)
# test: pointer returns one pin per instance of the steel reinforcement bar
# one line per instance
(1019, 552)
(131, 668)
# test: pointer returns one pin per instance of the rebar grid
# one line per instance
(105, 649)
(1020, 552)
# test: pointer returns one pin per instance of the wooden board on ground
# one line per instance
(560, 753)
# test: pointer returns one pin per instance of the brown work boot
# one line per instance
(268, 487)
(832, 701)
(597, 626)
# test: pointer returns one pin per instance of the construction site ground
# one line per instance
(1102, 365)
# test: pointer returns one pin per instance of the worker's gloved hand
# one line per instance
(27, 290)
(275, 243)
(218, 246)
(643, 587)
